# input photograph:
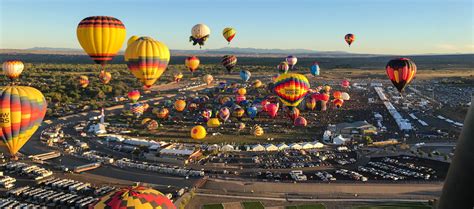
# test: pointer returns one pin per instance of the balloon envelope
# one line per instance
(22, 109)
(13, 68)
(315, 69)
(134, 197)
(291, 88)
(198, 132)
(245, 75)
(401, 72)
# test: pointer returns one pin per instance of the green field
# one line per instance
(310, 206)
(395, 206)
(252, 205)
(213, 206)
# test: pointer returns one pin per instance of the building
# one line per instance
(97, 129)
(340, 140)
(355, 130)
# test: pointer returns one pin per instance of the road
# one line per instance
(34, 146)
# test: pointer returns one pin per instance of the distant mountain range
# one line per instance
(204, 52)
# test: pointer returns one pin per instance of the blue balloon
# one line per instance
(245, 75)
(315, 69)
(252, 112)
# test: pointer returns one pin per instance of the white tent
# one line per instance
(257, 148)
(227, 148)
(317, 145)
(307, 145)
(282, 146)
(295, 146)
(339, 140)
(271, 147)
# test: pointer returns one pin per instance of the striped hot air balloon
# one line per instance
(147, 59)
(229, 34)
(229, 62)
(134, 197)
(83, 81)
(134, 96)
(283, 67)
(22, 109)
(101, 37)
(105, 77)
(401, 72)
(291, 88)
(13, 68)
(137, 109)
(192, 63)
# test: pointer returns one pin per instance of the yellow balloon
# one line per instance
(229, 34)
(147, 59)
(242, 91)
(213, 123)
(131, 40)
(257, 130)
(198, 132)
(101, 37)
(179, 105)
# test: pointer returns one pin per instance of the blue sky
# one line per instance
(380, 26)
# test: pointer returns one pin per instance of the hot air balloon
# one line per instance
(13, 68)
(83, 81)
(208, 79)
(132, 39)
(224, 113)
(345, 96)
(177, 77)
(242, 91)
(272, 109)
(163, 113)
(345, 83)
(229, 62)
(192, 63)
(199, 34)
(257, 84)
(300, 121)
(134, 197)
(22, 109)
(310, 103)
(193, 106)
(224, 100)
(291, 88)
(213, 123)
(338, 102)
(257, 130)
(337, 95)
(147, 59)
(229, 34)
(180, 105)
(134, 96)
(252, 112)
(151, 125)
(240, 98)
(240, 126)
(206, 114)
(198, 132)
(291, 60)
(137, 109)
(315, 69)
(401, 72)
(101, 37)
(326, 88)
(105, 77)
(349, 38)
(293, 113)
(283, 67)
(245, 75)
(239, 113)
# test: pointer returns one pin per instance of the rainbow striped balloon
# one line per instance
(22, 109)
(291, 88)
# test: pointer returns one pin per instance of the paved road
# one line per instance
(374, 200)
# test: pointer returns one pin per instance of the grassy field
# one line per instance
(310, 206)
(213, 206)
(252, 205)
(395, 206)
